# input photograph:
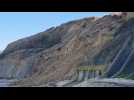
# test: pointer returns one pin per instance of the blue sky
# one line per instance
(16, 25)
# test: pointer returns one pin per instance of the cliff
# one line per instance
(57, 53)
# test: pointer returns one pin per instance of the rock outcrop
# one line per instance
(55, 54)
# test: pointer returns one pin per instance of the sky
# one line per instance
(17, 25)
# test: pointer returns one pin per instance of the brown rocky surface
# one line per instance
(55, 54)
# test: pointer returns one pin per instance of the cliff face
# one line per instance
(130, 15)
(56, 53)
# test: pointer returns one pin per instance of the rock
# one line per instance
(55, 54)
(106, 83)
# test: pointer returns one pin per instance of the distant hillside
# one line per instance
(77, 50)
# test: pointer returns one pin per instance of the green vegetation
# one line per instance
(126, 76)
(131, 76)
(121, 75)
(91, 68)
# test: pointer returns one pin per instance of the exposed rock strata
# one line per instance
(55, 54)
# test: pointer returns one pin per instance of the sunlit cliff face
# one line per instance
(130, 15)
(116, 13)
(126, 15)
